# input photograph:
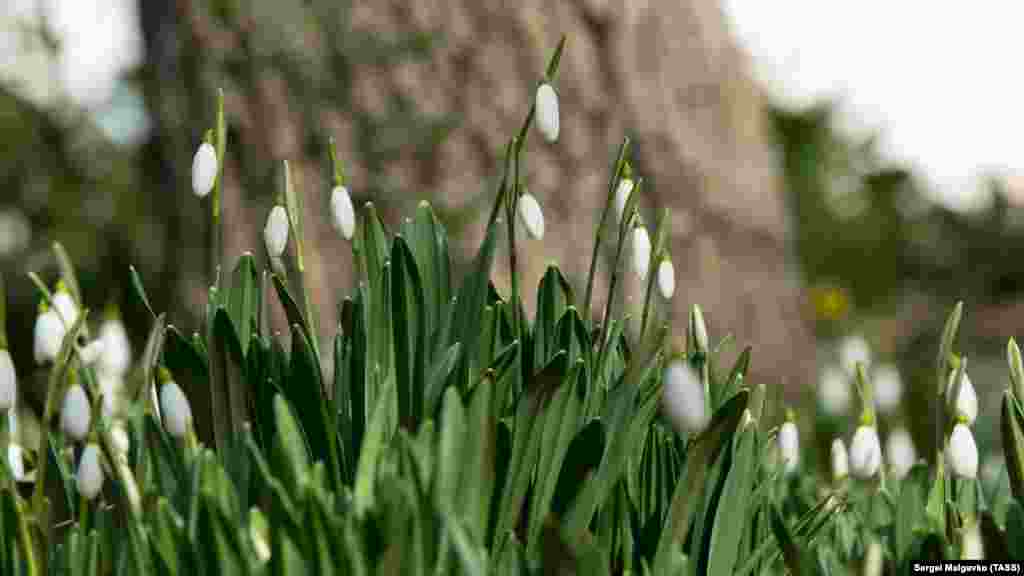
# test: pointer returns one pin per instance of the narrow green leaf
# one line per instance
(140, 291)
(1012, 429)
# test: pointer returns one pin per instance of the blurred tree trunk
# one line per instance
(667, 74)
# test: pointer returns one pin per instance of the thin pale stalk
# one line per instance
(609, 199)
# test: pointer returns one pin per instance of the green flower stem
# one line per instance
(25, 537)
(219, 140)
(3, 314)
(613, 183)
(624, 227)
(511, 205)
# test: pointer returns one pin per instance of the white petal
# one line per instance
(641, 251)
(117, 349)
(854, 350)
(622, 193)
(89, 479)
(865, 452)
(789, 447)
(92, 352)
(962, 452)
(834, 391)
(204, 169)
(75, 413)
(66, 307)
(16, 462)
(343, 213)
(8, 381)
(275, 233)
(667, 279)
(547, 112)
(49, 334)
(900, 452)
(532, 216)
(840, 459)
(888, 388)
(683, 397)
(967, 400)
(176, 410)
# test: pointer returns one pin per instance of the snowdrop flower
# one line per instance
(854, 350)
(342, 212)
(900, 452)
(116, 358)
(532, 216)
(840, 460)
(204, 169)
(622, 193)
(683, 397)
(75, 413)
(641, 251)
(698, 329)
(16, 463)
(962, 452)
(89, 479)
(65, 306)
(175, 408)
(834, 391)
(92, 352)
(49, 334)
(275, 233)
(971, 545)
(789, 446)
(888, 388)
(865, 452)
(547, 112)
(110, 389)
(967, 401)
(8, 381)
(666, 278)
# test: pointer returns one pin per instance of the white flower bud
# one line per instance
(972, 547)
(117, 349)
(92, 352)
(683, 398)
(967, 401)
(66, 307)
(532, 216)
(888, 388)
(49, 334)
(666, 279)
(176, 411)
(110, 388)
(962, 452)
(854, 350)
(342, 212)
(204, 169)
(865, 452)
(89, 479)
(8, 381)
(840, 460)
(698, 330)
(622, 193)
(16, 463)
(641, 251)
(75, 413)
(547, 112)
(789, 447)
(834, 391)
(275, 233)
(900, 452)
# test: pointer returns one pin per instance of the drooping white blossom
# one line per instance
(204, 169)
(666, 278)
(967, 401)
(900, 452)
(48, 336)
(89, 479)
(840, 460)
(888, 388)
(117, 348)
(65, 306)
(962, 452)
(531, 216)
(865, 452)
(683, 397)
(547, 112)
(275, 233)
(834, 394)
(177, 414)
(16, 463)
(75, 413)
(854, 350)
(343, 215)
(622, 193)
(8, 381)
(641, 251)
(789, 447)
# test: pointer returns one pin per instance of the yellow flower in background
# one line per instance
(830, 302)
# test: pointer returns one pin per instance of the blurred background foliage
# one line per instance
(876, 256)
